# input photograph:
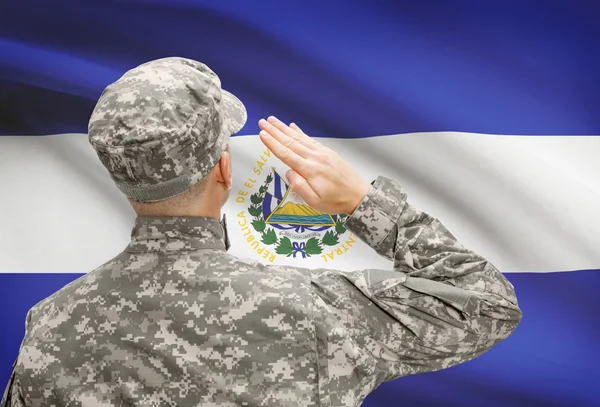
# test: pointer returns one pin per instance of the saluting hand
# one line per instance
(318, 174)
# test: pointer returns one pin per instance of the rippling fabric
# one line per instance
(343, 70)
(365, 69)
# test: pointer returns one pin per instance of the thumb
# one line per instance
(300, 186)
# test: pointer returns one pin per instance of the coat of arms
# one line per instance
(283, 219)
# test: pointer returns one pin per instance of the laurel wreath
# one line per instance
(285, 246)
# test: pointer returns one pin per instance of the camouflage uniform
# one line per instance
(176, 321)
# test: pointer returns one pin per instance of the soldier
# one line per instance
(176, 321)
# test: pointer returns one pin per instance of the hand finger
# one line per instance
(291, 142)
(311, 143)
(300, 186)
(297, 128)
(285, 154)
(299, 135)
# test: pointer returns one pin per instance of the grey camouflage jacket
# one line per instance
(176, 321)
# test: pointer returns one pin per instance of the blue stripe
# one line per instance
(550, 360)
(370, 69)
(277, 184)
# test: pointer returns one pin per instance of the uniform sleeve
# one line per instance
(441, 305)
(12, 394)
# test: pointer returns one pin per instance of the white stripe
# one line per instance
(525, 203)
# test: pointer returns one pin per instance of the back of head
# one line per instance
(162, 127)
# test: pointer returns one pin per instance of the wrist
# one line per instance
(357, 198)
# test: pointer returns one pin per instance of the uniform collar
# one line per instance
(174, 233)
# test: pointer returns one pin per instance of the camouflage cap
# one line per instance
(163, 126)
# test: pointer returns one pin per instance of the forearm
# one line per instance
(422, 248)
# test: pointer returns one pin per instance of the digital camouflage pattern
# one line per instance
(163, 126)
(176, 321)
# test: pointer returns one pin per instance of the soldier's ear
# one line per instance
(224, 174)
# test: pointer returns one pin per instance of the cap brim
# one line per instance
(234, 112)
